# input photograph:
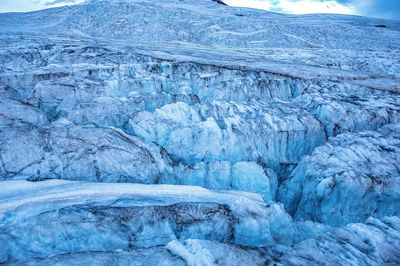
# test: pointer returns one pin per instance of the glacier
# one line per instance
(187, 132)
(110, 217)
(336, 193)
(374, 242)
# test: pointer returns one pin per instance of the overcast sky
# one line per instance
(375, 8)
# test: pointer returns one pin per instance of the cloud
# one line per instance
(310, 6)
(259, 4)
(294, 6)
(374, 8)
(61, 2)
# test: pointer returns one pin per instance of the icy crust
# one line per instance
(77, 79)
(63, 150)
(140, 257)
(109, 217)
(350, 178)
(341, 113)
(73, 75)
(372, 243)
(202, 252)
(274, 133)
(373, 62)
(105, 85)
(44, 51)
(89, 93)
(84, 95)
(375, 242)
(190, 252)
(244, 176)
(14, 113)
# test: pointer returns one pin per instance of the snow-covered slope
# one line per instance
(208, 23)
(193, 133)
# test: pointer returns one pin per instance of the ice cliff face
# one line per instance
(350, 178)
(192, 133)
(374, 242)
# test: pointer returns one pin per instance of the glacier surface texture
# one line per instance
(188, 132)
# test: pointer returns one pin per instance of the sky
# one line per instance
(373, 8)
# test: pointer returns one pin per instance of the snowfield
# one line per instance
(188, 132)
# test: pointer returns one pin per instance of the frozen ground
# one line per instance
(193, 133)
